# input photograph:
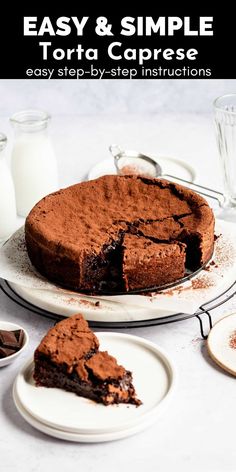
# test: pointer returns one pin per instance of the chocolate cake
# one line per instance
(68, 357)
(119, 233)
(143, 259)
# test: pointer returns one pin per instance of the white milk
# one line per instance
(7, 196)
(34, 166)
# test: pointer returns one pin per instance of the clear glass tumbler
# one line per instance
(225, 120)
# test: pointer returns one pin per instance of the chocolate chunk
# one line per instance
(12, 339)
(19, 334)
(5, 352)
(8, 339)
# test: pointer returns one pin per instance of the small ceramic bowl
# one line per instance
(12, 327)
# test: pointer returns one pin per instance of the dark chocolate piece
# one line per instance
(10, 342)
(5, 352)
(8, 339)
(19, 334)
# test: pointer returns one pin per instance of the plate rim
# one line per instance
(76, 437)
(211, 354)
(168, 365)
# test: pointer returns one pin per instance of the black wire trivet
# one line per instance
(203, 314)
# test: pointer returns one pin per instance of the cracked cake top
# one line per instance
(91, 213)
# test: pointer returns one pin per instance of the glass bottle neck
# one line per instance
(30, 122)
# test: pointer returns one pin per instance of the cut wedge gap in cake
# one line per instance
(106, 268)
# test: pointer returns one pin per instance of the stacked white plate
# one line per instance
(66, 416)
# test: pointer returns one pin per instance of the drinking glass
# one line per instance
(225, 120)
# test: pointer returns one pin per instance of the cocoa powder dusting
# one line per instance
(224, 254)
(21, 244)
(232, 340)
(88, 303)
(129, 170)
(133, 170)
(72, 300)
(203, 282)
(196, 284)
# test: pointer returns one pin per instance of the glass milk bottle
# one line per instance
(34, 166)
(7, 196)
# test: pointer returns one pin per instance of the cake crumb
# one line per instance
(217, 236)
(86, 303)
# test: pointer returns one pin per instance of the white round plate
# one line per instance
(12, 327)
(68, 303)
(130, 309)
(78, 437)
(218, 343)
(169, 165)
(153, 378)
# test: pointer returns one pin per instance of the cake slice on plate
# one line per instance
(69, 358)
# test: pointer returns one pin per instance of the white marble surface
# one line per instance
(197, 433)
(115, 96)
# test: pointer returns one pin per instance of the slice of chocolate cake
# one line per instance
(144, 259)
(68, 357)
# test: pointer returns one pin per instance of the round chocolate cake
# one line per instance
(119, 233)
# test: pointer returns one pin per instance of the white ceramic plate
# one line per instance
(169, 165)
(12, 327)
(69, 303)
(218, 343)
(137, 308)
(76, 437)
(153, 377)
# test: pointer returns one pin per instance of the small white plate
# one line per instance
(12, 327)
(76, 437)
(218, 343)
(153, 378)
(169, 165)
